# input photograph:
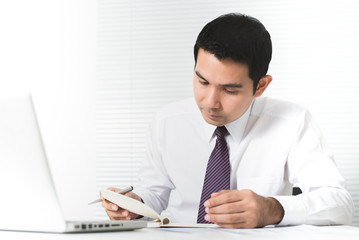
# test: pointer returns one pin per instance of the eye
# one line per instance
(233, 92)
(203, 82)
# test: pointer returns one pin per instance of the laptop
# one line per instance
(28, 199)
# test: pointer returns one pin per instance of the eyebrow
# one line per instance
(229, 85)
(199, 75)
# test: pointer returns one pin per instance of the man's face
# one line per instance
(222, 88)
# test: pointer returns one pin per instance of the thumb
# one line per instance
(113, 189)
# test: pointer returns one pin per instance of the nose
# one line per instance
(213, 99)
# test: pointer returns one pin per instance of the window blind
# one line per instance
(145, 60)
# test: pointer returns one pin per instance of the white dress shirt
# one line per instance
(273, 146)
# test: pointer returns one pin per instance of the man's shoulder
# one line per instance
(276, 108)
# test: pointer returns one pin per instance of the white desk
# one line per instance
(302, 232)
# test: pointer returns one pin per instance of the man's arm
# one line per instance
(318, 206)
(153, 183)
(311, 166)
(242, 209)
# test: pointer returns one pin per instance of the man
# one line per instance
(234, 162)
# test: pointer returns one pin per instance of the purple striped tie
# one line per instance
(218, 172)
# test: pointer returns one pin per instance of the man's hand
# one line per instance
(242, 209)
(117, 213)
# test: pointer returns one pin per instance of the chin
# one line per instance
(215, 123)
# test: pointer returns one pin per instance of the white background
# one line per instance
(48, 47)
(100, 69)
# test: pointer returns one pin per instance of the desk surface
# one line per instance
(295, 232)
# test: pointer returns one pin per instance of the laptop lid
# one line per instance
(28, 199)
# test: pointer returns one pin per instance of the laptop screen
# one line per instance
(29, 200)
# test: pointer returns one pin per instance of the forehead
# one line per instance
(211, 68)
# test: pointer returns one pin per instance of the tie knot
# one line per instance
(221, 132)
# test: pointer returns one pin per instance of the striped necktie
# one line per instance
(218, 172)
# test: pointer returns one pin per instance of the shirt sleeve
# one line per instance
(154, 184)
(311, 167)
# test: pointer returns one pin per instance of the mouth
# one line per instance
(212, 116)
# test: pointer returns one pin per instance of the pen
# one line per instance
(122, 191)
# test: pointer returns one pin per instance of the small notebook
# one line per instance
(140, 208)
(133, 205)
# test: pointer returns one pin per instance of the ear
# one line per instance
(262, 85)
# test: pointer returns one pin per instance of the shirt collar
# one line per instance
(236, 128)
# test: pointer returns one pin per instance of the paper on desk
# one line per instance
(189, 225)
(130, 204)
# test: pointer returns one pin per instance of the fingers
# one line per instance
(114, 189)
(119, 215)
(115, 212)
(109, 205)
(223, 197)
(229, 215)
(233, 202)
(234, 209)
(236, 220)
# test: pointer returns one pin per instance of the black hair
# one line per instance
(241, 38)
